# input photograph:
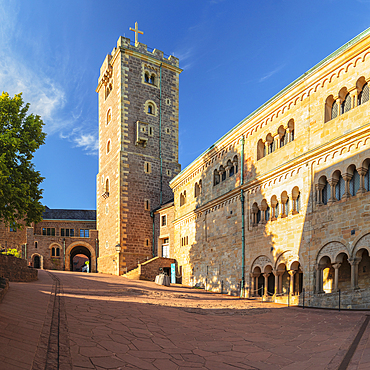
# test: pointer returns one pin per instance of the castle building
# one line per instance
(279, 207)
(138, 91)
(54, 242)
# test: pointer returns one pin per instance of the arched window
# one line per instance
(277, 210)
(283, 137)
(57, 252)
(287, 207)
(363, 95)
(367, 180)
(150, 109)
(331, 108)
(108, 89)
(223, 173)
(216, 177)
(325, 191)
(183, 198)
(36, 245)
(53, 252)
(109, 116)
(260, 149)
(230, 165)
(346, 104)
(334, 110)
(267, 213)
(296, 200)
(354, 183)
(146, 77)
(108, 146)
(235, 162)
(107, 185)
(152, 79)
(271, 143)
(298, 203)
(197, 188)
(258, 216)
(340, 188)
(291, 129)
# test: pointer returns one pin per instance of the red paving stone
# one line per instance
(115, 323)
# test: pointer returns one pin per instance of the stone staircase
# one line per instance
(148, 270)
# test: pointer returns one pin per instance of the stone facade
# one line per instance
(298, 168)
(16, 269)
(138, 151)
(52, 243)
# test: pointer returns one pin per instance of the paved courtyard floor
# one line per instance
(92, 321)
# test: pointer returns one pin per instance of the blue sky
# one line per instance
(236, 54)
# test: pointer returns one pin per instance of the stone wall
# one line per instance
(132, 164)
(16, 269)
(4, 286)
(283, 243)
(150, 269)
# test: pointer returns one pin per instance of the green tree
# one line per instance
(20, 136)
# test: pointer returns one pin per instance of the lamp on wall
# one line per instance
(118, 248)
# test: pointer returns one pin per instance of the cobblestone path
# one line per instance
(91, 321)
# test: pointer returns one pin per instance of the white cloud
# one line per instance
(87, 141)
(44, 84)
(268, 75)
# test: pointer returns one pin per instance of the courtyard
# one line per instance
(93, 321)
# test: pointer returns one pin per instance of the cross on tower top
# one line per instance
(136, 30)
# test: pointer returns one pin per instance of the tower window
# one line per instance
(147, 167)
(146, 78)
(108, 146)
(150, 109)
(147, 204)
(109, 116)
(35, 245)
(107, 185)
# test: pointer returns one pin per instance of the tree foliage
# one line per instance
(20, 136)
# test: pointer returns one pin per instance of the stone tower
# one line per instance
(138, 150)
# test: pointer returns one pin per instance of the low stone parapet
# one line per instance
(4, 286)
(16, 269)
(150, 269)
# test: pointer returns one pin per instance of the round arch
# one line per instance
(37, 258)
(363, 242)
(83, 248)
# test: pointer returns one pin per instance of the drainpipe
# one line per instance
(243, 222)
(152, 216)
(96, 255)
(64, 254)
(160, 133)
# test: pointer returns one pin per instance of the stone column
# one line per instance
(332, 183)
(276, 289)
(266, 276)
(291, 281)
(354, 272)
(281, 282)
(319, 287)
(252, 286)
(336, 275)
(355, 99)
(362, 172)
(319, 188)
(255, 285)
(347, 178)
(263, 214)
(227, 169)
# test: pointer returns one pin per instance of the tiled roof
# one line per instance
(69, 214)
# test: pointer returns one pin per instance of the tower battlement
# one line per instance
(125, 44)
